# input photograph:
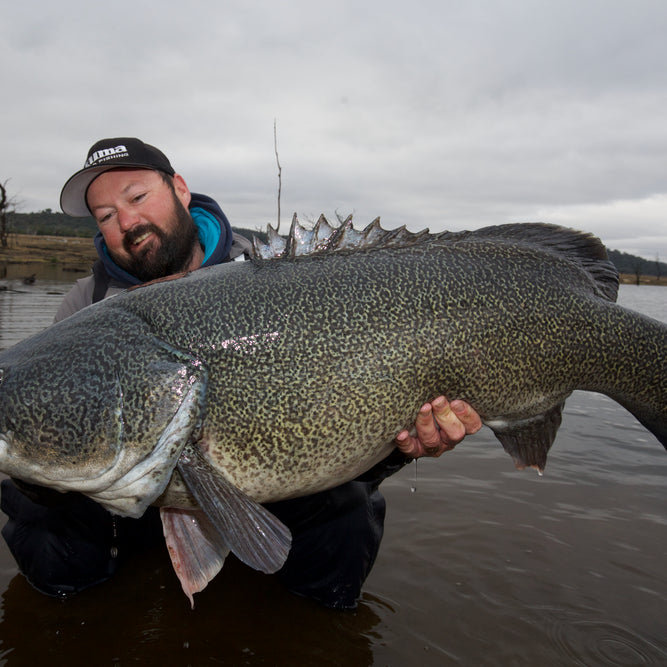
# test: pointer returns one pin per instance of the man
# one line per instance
(152, 226)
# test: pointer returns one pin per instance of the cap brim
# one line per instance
(73, 195)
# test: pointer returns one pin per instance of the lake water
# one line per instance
(481, 565)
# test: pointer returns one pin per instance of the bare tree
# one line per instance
(280, 171)
(6, 207)
(637, 266)
(658, 271)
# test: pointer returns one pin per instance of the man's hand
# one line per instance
(440, 426)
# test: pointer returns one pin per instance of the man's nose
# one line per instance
(127, 218)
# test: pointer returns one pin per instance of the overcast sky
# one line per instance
(447, 114)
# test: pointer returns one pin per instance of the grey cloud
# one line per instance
(439, 114)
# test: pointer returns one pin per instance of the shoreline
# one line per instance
(74, 253)
(77, 253)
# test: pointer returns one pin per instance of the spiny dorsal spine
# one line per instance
(324, 238)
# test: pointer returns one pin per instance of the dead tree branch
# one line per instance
(5, 208)
(280, 171)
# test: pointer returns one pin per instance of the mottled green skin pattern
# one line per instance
(315, 363)
(320, 361)
(85, 402)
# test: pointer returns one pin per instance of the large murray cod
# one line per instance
(282, 376)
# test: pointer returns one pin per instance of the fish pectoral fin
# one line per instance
(196, 549)
(529, 440)
(251, 532)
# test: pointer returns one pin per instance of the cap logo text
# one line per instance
(106, 154)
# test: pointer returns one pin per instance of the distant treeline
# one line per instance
(50, 223)
(626, 263)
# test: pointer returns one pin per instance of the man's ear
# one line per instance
(182, 191)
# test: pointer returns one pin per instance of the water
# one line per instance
(480, 565)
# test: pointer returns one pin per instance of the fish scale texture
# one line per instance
(309, 364)
(333, 354)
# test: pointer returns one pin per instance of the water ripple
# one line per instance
(600, 642)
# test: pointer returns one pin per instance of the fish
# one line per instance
(212, 393)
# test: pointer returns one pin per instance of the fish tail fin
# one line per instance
(649, 415)
(657, 426)
(634, 368)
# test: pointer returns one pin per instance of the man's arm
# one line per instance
(79, 296)
(241, 247)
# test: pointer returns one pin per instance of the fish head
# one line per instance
(105, 414)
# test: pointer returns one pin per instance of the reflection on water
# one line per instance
(482, 565)
(247, 619)
(26, 309)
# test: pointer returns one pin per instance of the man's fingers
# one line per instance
(408, 445)
(440, 426)
(467, 416)
(427, 431)
(452, 429)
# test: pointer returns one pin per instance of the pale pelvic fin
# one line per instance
(196, 549)
(250, 531)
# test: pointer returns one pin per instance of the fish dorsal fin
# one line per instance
(250, 531)
(580, 247)
(323, 238)
(274, 247)
(583, 248)
(529, 441)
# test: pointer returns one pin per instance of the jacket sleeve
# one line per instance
(241, 247)
(385, 468)
(80, 296)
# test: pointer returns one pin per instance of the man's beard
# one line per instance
(168, 253)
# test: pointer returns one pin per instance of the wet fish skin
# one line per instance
(306, 354)
(317, 351)
(294, 374)
(97, 404)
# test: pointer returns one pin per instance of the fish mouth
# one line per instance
(132, 492)
(127, 486)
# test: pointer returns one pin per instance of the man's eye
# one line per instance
(105, 218)
(139, 197)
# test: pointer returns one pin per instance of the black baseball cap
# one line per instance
(103, 156)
